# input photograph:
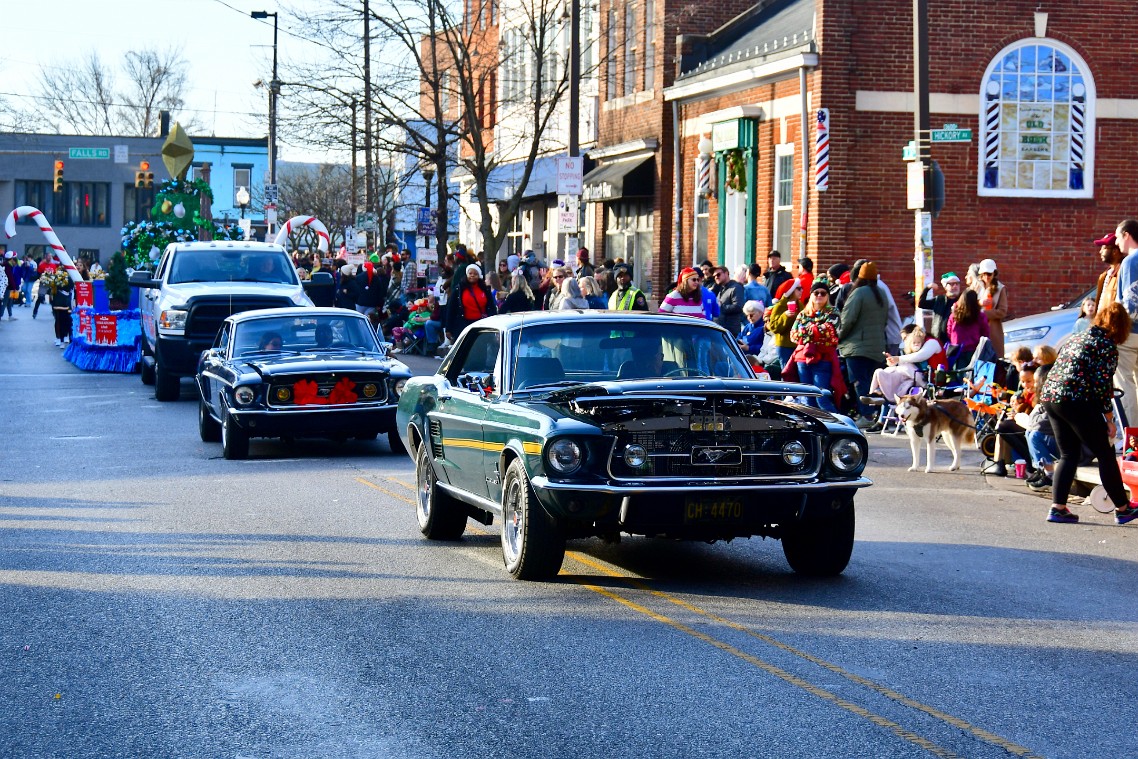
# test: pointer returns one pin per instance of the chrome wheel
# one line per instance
(513, 522)
(440, 516)
(533, 543)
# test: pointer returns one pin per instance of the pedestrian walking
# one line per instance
(1126, 378)
(1077, 395)
(62, 290)
(30, 277)
(14, 271)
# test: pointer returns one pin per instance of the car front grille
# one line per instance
(206, 316)
(300, 395)
(671, 454)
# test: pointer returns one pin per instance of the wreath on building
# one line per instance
(736, 179)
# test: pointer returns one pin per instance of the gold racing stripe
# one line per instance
(530, 449)
(790, 678)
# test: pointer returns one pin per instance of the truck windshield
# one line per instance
(232, 266)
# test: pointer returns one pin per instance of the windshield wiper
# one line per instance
(547, 385)
(270, 352)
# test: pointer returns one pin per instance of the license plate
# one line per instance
(705, 510)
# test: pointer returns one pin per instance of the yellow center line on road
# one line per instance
(778, 672)
(638, 584)
(956, 722)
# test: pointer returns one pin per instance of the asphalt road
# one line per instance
(158, 600)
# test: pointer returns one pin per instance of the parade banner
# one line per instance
(85, 325)
(84, 295)
(106, 329)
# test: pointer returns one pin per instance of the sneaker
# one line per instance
(1063, 516)
(1040, 484)
(873, 400)
(58, 343)
(876, 427)
(864, 423)
(999, 470)
(1126, 514)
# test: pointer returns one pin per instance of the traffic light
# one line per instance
(58, 176)
(149, 175)
(140, 175)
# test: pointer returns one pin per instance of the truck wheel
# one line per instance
(167, 387)
(208, 427)
(533, 546)
(440, 516)
(820, 547)
(234, 441)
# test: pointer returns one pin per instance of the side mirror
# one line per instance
(143, 279)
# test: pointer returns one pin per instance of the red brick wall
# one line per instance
(1042, 246)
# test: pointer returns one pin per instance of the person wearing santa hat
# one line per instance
(687, 297)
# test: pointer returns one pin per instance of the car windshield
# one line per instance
(596, 350)
(294, 334)
(227, 265)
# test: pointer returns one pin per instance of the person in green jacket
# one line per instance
(861, 339)
(780, 318)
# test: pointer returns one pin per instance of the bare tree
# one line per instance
(83, 98)
(79, 98)
(438, 89)
(156, 81)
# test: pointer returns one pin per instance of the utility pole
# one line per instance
(274, 90)
(355, 163)
(923, 259)
(369, 198)
(574, 78)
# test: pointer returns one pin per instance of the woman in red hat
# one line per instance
(687, 297)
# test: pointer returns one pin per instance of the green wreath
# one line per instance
(736, 178)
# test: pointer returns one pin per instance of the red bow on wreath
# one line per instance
(306, 393)
(343, 392)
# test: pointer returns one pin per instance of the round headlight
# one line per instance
(369, 390)
(635, 455)
(244, 395)
(283, 394)
(794, 453)
(565, 455)
(846, 455)
(399, 387)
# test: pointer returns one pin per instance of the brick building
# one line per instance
(1045, 92)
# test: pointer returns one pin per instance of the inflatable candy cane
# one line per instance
(304, 221)
(61, 252)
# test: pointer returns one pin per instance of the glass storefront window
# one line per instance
(628, 235)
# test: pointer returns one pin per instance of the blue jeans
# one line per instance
(26, 288)
(819, 375)
(1043, 448)
(434, 331)
(861, 374)
(784, 355)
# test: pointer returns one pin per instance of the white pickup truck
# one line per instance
(196, 285)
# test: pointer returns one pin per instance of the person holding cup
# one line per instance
(780, 318)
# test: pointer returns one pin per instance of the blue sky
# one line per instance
(225, 49)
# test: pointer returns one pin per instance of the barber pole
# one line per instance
(28, 212)
(822, 151)
(703, 174)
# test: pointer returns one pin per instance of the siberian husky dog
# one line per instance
(925, 419)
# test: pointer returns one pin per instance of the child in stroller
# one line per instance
(411, 336)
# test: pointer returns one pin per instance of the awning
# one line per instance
(504, 179)
(630, 178)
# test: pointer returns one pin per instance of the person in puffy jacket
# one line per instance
(861, 339)
(471, 301)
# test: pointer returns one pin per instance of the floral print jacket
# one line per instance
(819, 329)
(1084, 370)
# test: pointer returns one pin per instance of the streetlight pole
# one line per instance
(242, 200)
(428, 175)
(274, 90)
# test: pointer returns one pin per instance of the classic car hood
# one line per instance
(609, 402)
(306, 363)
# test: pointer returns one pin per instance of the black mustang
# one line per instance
(297, 372)
(573, 424)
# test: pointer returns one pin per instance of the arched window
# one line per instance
(1037, 122)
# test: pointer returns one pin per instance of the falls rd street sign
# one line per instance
(97, 153)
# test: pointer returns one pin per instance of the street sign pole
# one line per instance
(923, 250)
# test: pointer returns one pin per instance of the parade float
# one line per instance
(106, 328)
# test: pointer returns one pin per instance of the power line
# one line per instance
(256, 114)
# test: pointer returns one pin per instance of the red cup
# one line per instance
(1021, 468)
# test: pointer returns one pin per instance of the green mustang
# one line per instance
(575, 424)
